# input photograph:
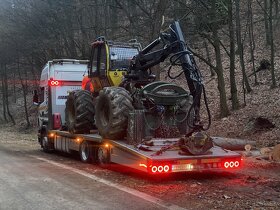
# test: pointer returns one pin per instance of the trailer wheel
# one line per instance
(102, 157)
(112, 107)
(85, 152)
(79, 112)
(45, 144)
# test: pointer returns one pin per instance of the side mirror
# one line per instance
(35, 97)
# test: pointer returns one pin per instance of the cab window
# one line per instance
(103, 60)
(97, 65)
(121, 57)
(93, 63)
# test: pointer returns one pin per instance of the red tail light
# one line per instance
(166, 168)
(154, 169)
(232, 164)
(54, 83)
(161, 168)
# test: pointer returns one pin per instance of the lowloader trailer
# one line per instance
(156, 156)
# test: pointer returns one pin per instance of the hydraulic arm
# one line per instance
(172, 44)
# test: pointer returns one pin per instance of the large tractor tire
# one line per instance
(79, 112)
(112, 108)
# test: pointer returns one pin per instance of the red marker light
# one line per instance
(236, 164)
(166, 168)
(232, 164)
(160, 168)
(154, 169)
(54, 83)
(226, 164)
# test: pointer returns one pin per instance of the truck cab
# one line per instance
(58, 78)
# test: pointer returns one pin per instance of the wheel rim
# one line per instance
(84, 151)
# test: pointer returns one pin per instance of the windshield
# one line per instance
(121, 57)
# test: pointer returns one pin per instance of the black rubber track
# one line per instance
(112, 108)
(79, 112)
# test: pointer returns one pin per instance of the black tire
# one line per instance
(79, 112)
(102, 157)
(85, 152)
(112, 108)
(45, 144)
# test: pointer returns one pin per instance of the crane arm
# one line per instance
(174, 45)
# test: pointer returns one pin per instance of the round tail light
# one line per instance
(166, 168)
(154, 169)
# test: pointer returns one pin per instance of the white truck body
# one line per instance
(66, 75)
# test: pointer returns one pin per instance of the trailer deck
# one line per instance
(153, 156)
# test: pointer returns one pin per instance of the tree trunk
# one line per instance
(157, 17)
(212, 71)
(7, 95)
(14, 87)
(224, 111)
(266, 22)
(3, 95)
(276, 153)
(271, 42)
(240, 47)
(252, 40)
(233, 89)
(34, 75)
(232, 144)
(24, 91)
(276, 9)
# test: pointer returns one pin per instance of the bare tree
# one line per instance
(24, 93)
(233, 89)
(241, 47)
(266, 22)
(5, 93)
(252, 39)
(212, 71)
(271, 42)
(224, 111)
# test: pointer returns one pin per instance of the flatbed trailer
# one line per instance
(155, 156)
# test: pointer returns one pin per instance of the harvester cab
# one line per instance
(109, 62)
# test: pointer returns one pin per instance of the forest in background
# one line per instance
(226, 37)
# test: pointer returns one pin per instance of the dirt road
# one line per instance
(31, 179)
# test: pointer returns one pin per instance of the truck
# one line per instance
(58, 78)
(122, 114)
